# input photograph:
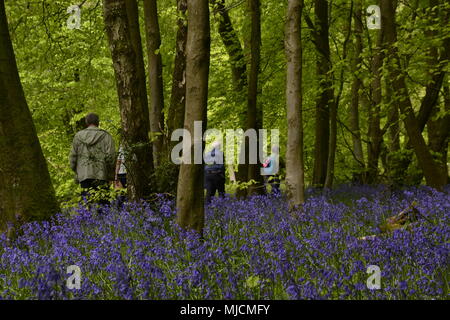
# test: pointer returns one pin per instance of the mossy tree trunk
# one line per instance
(155, 79)
(133, 107)
(26, 191)
(433, 175)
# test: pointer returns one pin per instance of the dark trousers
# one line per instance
(274, 182)
(93, 184)
(122, 177)
(214, 182)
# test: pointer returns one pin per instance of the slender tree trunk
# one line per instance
(254, 111)
(394, 167)
(438, 139)
(136, 42)
(175, 113)
(26, 191)
(335, 105)
(354, 102)
(133, 110)
(155, 79)
(326, 96)
(175, 119)
(295, 179)
(190, 195)
(437, 65)
(375, 134)
(429, 167)
(232, 45)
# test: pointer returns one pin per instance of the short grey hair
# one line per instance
(92, 118)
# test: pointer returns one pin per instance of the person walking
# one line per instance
(120, 180)
(92, 157)
(270, 170)
(214, 172)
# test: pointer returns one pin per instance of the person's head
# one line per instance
(216, 145)
(92, 119)
(275, 149)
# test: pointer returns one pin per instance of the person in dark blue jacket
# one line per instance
(214, 172)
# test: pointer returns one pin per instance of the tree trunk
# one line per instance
(133, 110)
(326, 96)
(437, 64)
(438, 139)
(335, 105)
(394, 155)
(232, 45)
(429, 167)
(358, 176)
(254, 111)
(26, 191)
(247, 171)
(190, 195)
(295, 179)
(155, 79)
(175, 119)
(375, 134)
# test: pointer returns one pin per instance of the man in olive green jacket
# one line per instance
(92, 157)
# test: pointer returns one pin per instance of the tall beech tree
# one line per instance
(254, 110)
(439, 132)
(232, 44)
(375, 134)
(294, 151)
(335, 104)
(175, 119)
(26, 191)
(354, 102)
(325, 98)
(251, 171)
(133, 109)
(438, 61)
(136, 41)
(190, 197)
(155, 78)
(430, 168)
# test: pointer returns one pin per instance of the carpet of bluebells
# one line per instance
(251, 249)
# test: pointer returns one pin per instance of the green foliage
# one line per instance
(166, 177)
(67, 73)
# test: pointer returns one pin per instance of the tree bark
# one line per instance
(326, 96)
(26, 191)
(133, 110)
(438, 139)
(437, 65)
(254, 111)
(295, 179)
(155, 79)
(358, 176)
(232, 45)
(190, 195)
(335, 105)
(247, 171)
(175, 119)
(429, 167)
(374, 132)
(136, 42)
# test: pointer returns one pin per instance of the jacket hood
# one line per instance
(91, 136)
